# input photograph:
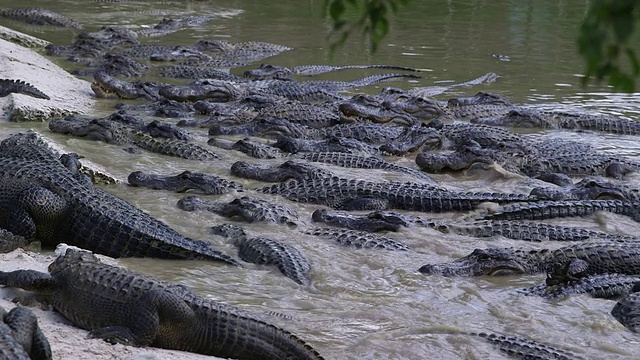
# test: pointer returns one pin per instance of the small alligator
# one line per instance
(541, 210)
(263, 251)
(37, 16)
(523, 348)
(247, 208)
(112, 64)
(606, 286)
(600, 258)
(372, 222)
(21, 337)
(8, 86)
(120, 306)
(186, 181)
(358, 239)
(627, 309)
(43, 200)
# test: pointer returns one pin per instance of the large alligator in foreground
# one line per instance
(41, 199)
(121, 306)
(600, 257)
(21, 337)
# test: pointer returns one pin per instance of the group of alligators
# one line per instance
(50, 197)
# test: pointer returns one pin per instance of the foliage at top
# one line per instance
(603, 40)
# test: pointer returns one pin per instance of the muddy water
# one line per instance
(374, 304)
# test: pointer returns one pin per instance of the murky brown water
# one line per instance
(372, 304)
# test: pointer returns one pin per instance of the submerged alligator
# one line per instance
(186, 181)
(38, 16)
(8, 86)
(20, 336)
(43, 200)
(247, 208)
(120, 306)
(600, 257)
(262, 251)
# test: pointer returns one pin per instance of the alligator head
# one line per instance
(107, 86)
(268, 70)
(493, 262)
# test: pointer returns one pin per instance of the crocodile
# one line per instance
(9, 86)
(358, 239)
(262, 251)
(549, 209)
(626, 310)
(532, 118)
(114, 132)
(601, 258)
(38, 16)
(44, 201)
(21, 337)
(269, 70)
(605, 286)
(121, 306)
(246, 208)
(186, 181)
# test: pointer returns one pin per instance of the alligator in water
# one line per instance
(8, 86)
(269, 70)
(627, 309)
(600, 257)
(38, 16)
(43, 200)
(606, 286)
(120, 306)
(247, 208)
(262, 251)
(358, 239)
(21, 337)
(186, 181)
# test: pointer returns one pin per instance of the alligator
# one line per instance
(532, 118)
(164, 52)
(589, 189)
(120, 306)
(490, 137)
(206, 89)
(246, 208)
(358, 239)
(318, 186)
(626, 310)
(362, 223)
(411, 139)
(8, 86)
(107, 86)
(196, 72)
(162, 108)
(549, 209)
(601, 258)
(186, 181)
(262, 251)
(112, 64)
(10, 241)
(44, 201)
(38, 16)
(168, 26)
(478, 99)
(117, 132)
(248, 146)
(371, 108)
(331, 144)
(428, 91)
(21, 337)
(269, 70)
(604, 286)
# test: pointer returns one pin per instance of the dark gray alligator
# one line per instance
(358, 239)
(153, 137)
(121, 306)
(262, 251)
(627, 310)
(600, 258)
(21, 337)
(253, 148)
(269, 70)
(247, 208)
(541, 210)
(186, 181)
(590, 189)
(38, 16)
(372, 222)
(8, 86)
(331, 144)
(112, 64)
(107, 86)
(606, 286)
(43, 200)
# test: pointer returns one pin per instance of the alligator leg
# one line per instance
(30, 280)
(36, 213)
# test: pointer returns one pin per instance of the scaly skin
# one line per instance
(627, 310)
(606, 286)
(262, 251)
(20, 336)
(523, 348)
(8, 86)
(186, 181)
(247, 208)
(42, 200)
(554, 209)
(358, 239)
(39, 16)
(118, 305)
(269, 70)
(601, 258)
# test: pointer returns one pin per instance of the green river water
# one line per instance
(371, 304)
